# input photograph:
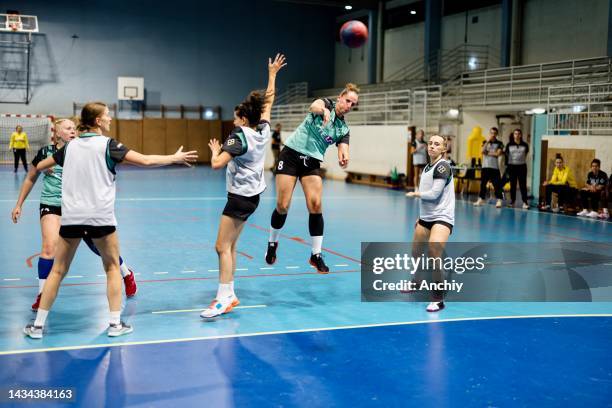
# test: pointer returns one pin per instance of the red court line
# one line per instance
(303, 242)
(244, 254)
(263, 275)
(29, 260)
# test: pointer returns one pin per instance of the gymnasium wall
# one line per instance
(552, 30)
(556, 30)
(600, 145)
(209, 52)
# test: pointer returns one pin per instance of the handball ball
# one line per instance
(353, 34)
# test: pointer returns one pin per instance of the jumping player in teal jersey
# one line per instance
(301, 159)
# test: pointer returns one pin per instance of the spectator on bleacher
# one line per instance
(562, 183)
(418, 148)
(516, 160)
(19, 144)
(492, 148)
(595, 192)
(276, 145)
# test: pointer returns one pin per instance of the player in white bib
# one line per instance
(437, 209)
(244, 154)
(88, 207)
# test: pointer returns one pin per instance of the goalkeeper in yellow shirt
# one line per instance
(19, 144)
(562, 183)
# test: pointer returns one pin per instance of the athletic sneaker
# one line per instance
(435, 306)
(217, 307)
(498, 204)
(479, 202)
(33, 332)
(317, 261)
(271, 253)
(556, 209)
(130, 284)
(116, 330)
(525, 206)
(36, 304)
(593, 214)
(583, 213)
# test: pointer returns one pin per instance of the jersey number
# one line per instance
(280, 165)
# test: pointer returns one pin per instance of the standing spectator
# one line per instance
(19, 144)
(418, 148)
(594, 191)
(562, 182)
(491, 150)
(516, 156)
(276, 145)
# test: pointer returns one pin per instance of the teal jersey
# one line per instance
(52, 183)
(312, 138)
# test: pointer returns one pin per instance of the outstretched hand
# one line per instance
(214, 145)
(277, 64)
(186, 158)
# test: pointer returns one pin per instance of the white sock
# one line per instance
(274, 234)
(41, 317)
(224, 291)
(115, 317)
(41, 285)
(317, 242)
(232, 288)
(124, 269)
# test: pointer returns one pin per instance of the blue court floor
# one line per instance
(298, 338)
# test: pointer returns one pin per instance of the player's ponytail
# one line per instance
(90, 112)
(251, 108)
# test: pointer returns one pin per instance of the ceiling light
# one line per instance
(348, 7)
(413, 12)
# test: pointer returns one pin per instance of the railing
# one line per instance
(580, 109)
(519, 87)
(294, 93)
(376, 108)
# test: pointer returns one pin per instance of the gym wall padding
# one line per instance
(176, 135)
(154, 136)
(129, 132)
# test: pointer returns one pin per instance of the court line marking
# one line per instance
(213, 270)
(160, 273)
(204, 307)
(320, 329)
(266, 268)
(187, 271)
(341, 265)
(74, 276)
(242, 269)
(292, 267)
(12, 279)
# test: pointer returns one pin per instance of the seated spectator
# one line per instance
(594, 193)
(562, 183)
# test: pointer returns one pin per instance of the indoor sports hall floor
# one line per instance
(298, 338)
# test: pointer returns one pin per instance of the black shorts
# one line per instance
(296, 164)
(430, 224)
(50, 209)
(86, 231)
(240, 207)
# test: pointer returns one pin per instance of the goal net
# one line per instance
(37, 127)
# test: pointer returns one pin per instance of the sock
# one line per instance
(317, 242)
(123, 268)
(315, 227)
(274, 234)
(232, 288)
(44, 268)
(115, 317)
(41, 317)
(276, 223)
(224, 291)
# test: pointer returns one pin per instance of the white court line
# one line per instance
(242, 269)
(341, 265)
(160, 273)
(101, 275)
(557, 263)
(213, 270)
(187, 271)
(136, 273)
(291, 267)
(509, 262)
(11, 279)
(266, 268)
(74, 276)
(608, 264)
(231, 336)
(202, 308)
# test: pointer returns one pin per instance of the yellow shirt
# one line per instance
(563, 176)
(19, 141)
